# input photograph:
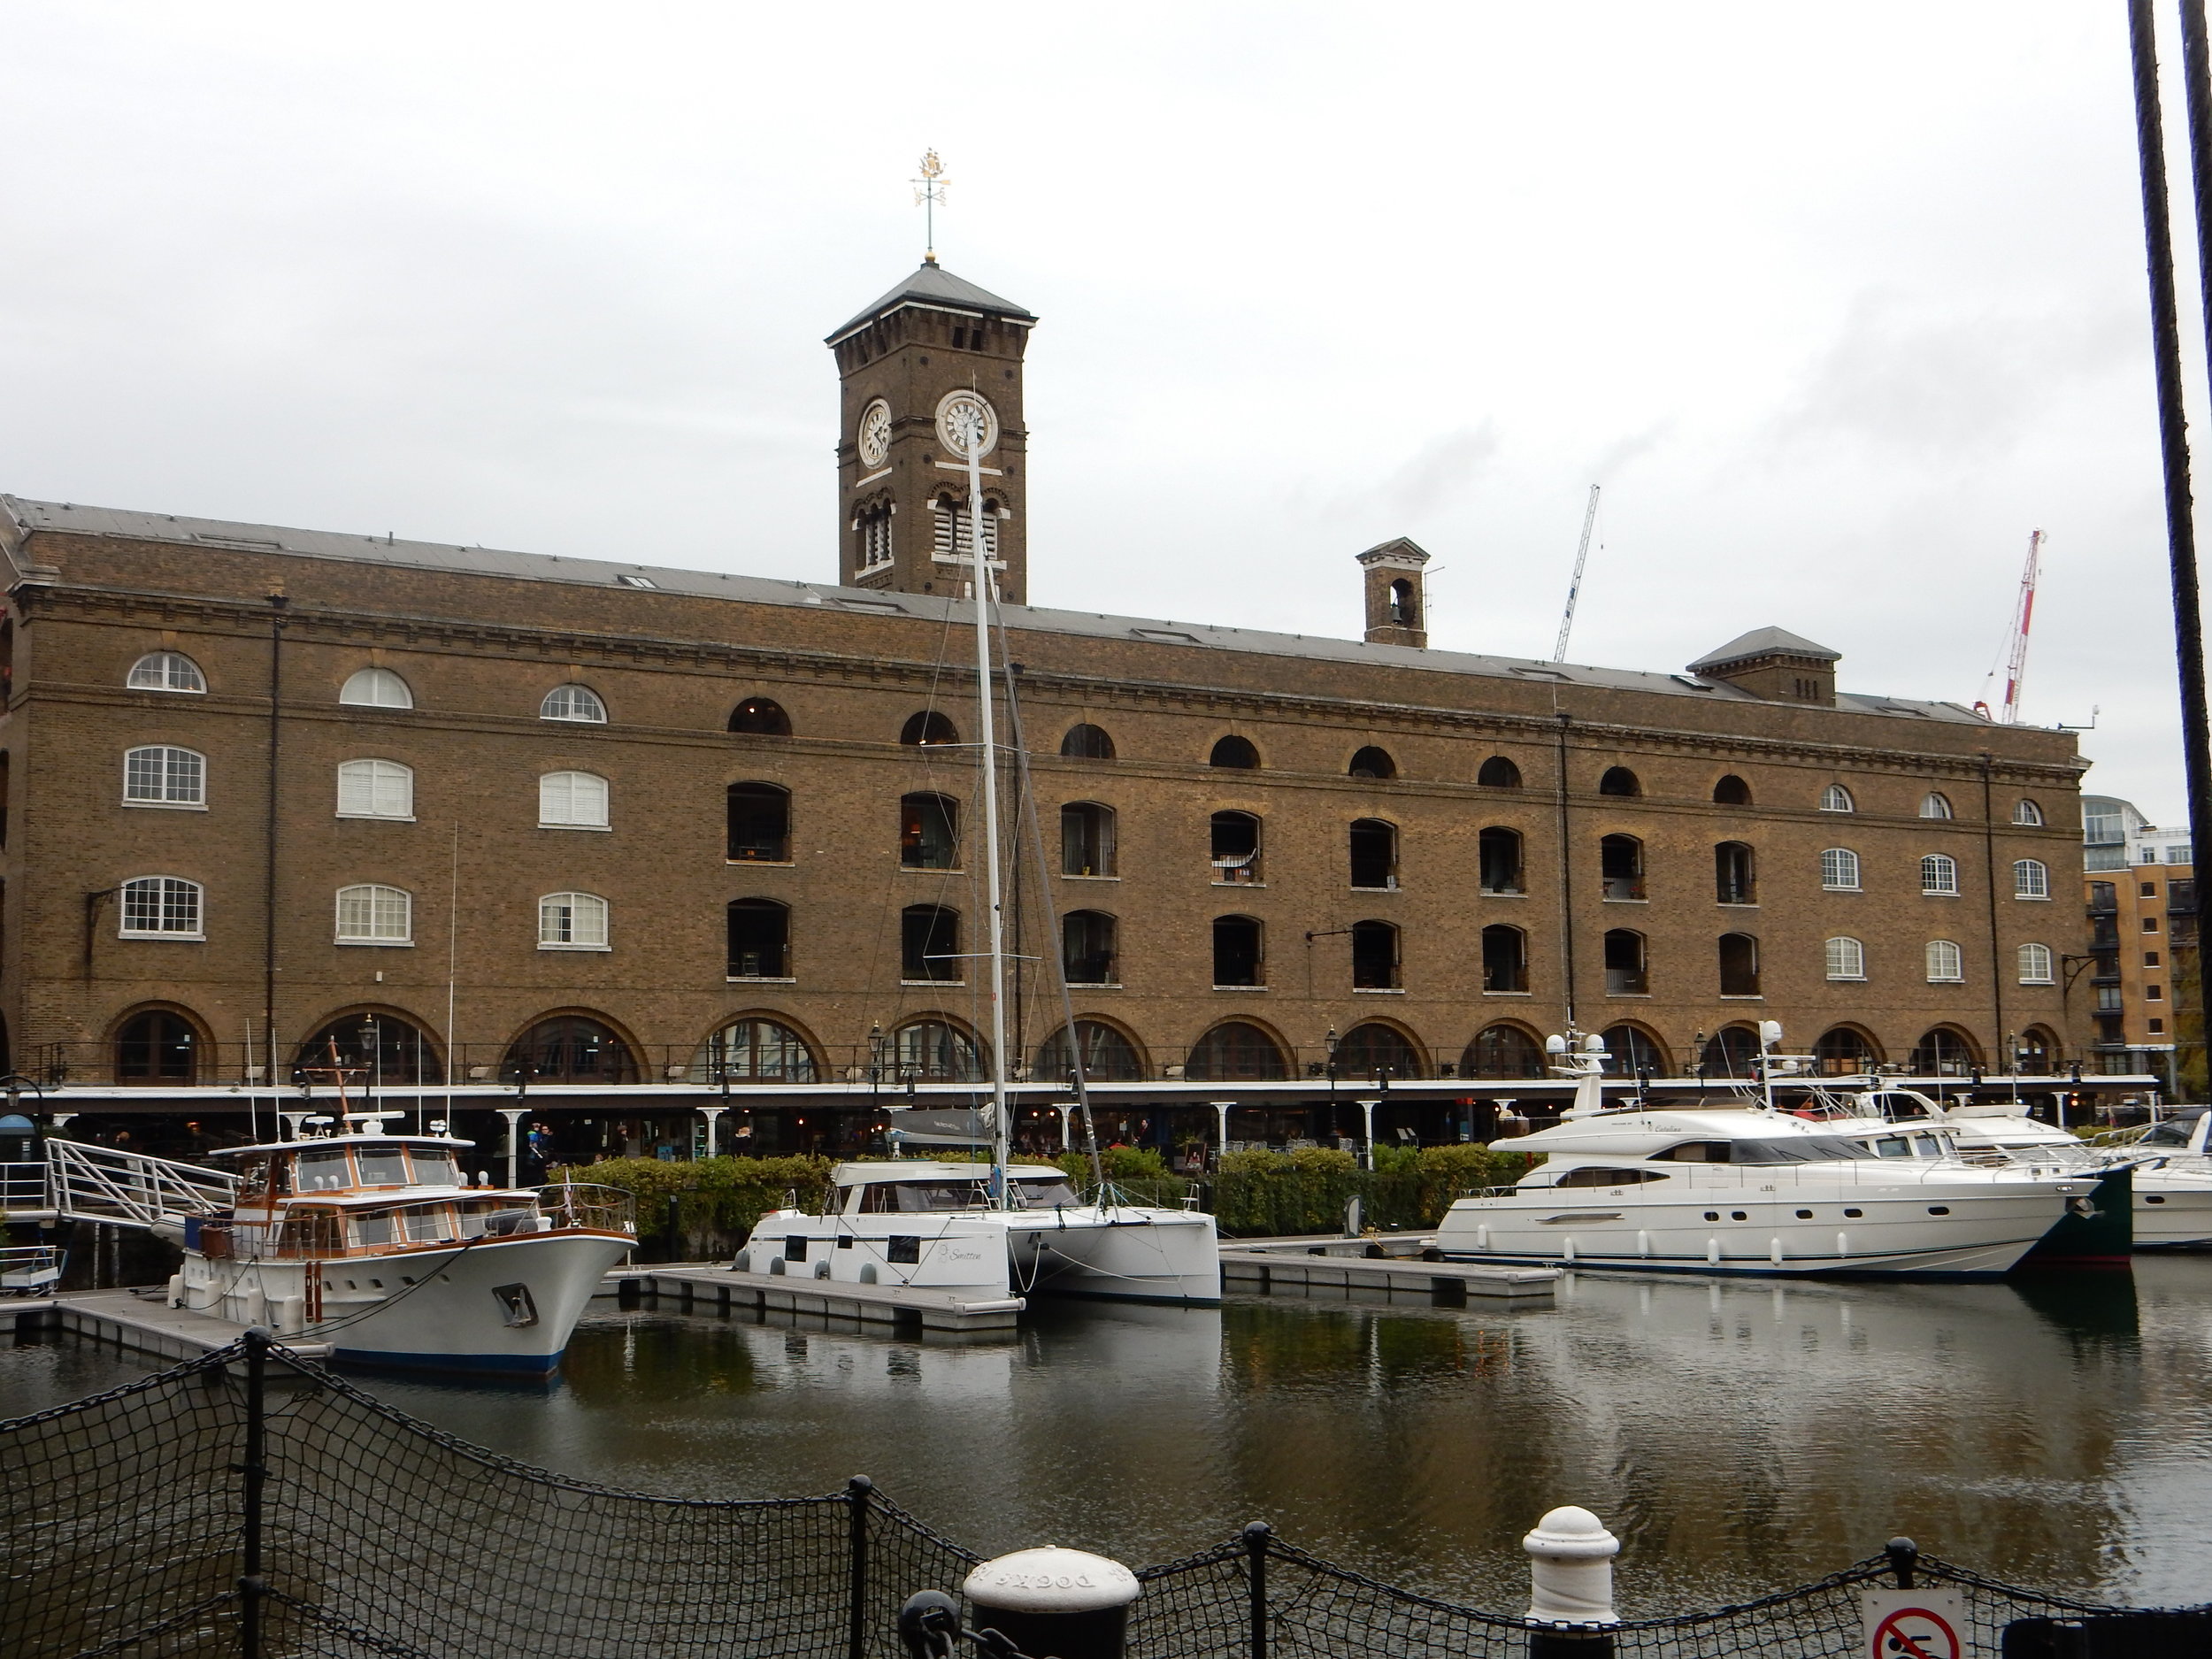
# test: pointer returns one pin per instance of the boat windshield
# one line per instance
(382, 1166)
(324, 1171)
(926, 1195)
(434, 1168)
(1796, 1149)
(1042, 1195)
(2173, 1133)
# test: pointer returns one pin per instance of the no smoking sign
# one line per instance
(1912, 1624)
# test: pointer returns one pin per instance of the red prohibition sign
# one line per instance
(1932, 1639)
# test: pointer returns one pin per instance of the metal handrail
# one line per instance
(132, 1189)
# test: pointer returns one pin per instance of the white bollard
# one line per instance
(1570, 1569)
(1050, 1600)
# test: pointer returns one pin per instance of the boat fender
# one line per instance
(744, 1263)
(775, 1265)
(1712, 1252)
(175, 1298)
(1432, 1254)
(867, 1272)
(821, 1270)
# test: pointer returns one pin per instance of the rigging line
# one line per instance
(1077, 1072)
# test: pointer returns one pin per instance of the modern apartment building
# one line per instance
(2140, 883)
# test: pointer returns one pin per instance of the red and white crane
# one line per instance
(2008, 712)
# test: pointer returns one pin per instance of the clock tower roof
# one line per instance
(931, 285)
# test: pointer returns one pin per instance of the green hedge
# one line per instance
(718, 1200)
(1279, 1194)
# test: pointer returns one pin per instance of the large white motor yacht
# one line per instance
(942, 1226)
(373, 1243)
(1750, 1190)
(2171, 1172)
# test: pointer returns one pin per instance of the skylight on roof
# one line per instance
(1165, 637)
(629, 580)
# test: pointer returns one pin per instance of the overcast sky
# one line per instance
(1837, 303)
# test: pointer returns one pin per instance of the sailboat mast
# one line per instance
(994, 909)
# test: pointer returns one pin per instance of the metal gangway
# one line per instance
(78, 1181)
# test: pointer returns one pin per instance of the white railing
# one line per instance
(132, 1189)
(27, 1191)
(28, 1269)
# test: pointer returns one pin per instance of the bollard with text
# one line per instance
(1570, 1585)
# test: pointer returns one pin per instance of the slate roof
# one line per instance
(1764, 642)
(934, 285)
(71, 518)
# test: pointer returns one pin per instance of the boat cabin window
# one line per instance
(427, 1224)
(375, 1227)
(1902, 1109)
(1807, 1149)
(1042, 1195)
(253, 1176)
(382, 1166)
(915, 1196)
(1695, 1152)
(1893, 1146)
(324, 1171)
(313, 1232)
(2173, 1133)
(434, 1168)
(1598, 1176)
(497, 1216)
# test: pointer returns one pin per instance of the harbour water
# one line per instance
(1740, 1436)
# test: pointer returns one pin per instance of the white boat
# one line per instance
(940, 1225)
(999, 1229)
(373, 1243)
(2173, 1184)
(1748, 1189)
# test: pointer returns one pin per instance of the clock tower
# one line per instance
(922, 366)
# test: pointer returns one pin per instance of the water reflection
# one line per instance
(1738, 1436)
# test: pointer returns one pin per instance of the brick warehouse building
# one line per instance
(606, 844)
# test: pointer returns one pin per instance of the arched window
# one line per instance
(1375, 966)
(927, 729)
(759, 934)
(1846, 959)
(757, 824)
(1086, 839)
(1235, 849)
(1938, 874)
(2036, 1053)
(1374, 853)
(375, 1049)
(1731, 791)
(161, 907)
(1843, 1052)
(1836, 798)
(932, 1051)
(1738, 965)
(1498, 859)
(165, 671)
(1636, 1052)
(159, 775)
(954, 527)
(1237, 1051)
(376, 689)
(760, 716)
(1625, 971)
(929, 831)
(1504, 958)
(1619, 780)
(376, 788)
(571, 1048)
(372, 915)
(1087, 743)
(929, 944)
(2027, 813)
(2035, 963)
(1733, 1052)
(572, 922)
(1405, 611)
(1735, 868)
(1372, 763)
(756, 1050)
(1621, 866)
(1087, 955)
(1237, 951)
(1942, 1052)
(1935, 804)
(2031, 878)
(1236, 753)
(1374, 1050)
(572, 799)
(1503, 1051)
(1498, 772)
(573, 702)
(1108, 1057)
(1947, 963)
(157, 1047)
(872, 537)
(1840, 869)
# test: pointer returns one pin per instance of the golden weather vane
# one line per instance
(929, 195)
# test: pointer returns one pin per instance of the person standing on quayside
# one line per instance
(538, 1148)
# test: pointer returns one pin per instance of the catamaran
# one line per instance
(374, 1242)
(1001, 1229)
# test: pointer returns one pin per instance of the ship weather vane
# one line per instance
(929, 195)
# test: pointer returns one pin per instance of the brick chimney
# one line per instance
(1777, 665)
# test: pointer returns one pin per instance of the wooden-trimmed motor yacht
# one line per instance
(374, 1243)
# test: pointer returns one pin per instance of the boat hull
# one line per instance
(2173, 1209)
(503, 1305)
(1123, 1253)
(1790, 1229)
(2098, 1231)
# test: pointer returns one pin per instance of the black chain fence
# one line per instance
(249, 1505)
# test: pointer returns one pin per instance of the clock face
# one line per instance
(967, 424)
(875, 433)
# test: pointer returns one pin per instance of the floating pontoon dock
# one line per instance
(704, 1284)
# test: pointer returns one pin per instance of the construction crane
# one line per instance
(1574, 587)
(2016, 645)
